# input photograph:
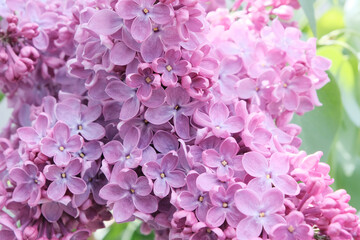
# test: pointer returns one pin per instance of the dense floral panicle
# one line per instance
(177, 113)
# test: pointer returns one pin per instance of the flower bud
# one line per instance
(30, 30)
(30, 233)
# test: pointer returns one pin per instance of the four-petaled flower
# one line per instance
(165, 174)
(143, 12)
(261, 211)
(63, 179)
(61, 145)
(225, 161)
(129, 192)
(170, 66)
(29, 182)
(270, 172)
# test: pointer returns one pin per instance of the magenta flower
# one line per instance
(295, 228)
(204, 231)
(223, 207)
(126, 95)
(91, 151)
(29, 182)
(53, 210)
(80, 118)
(129, 192)
(165, 174)
(33, 135)
(171, 67)
(270, 172)
(146, 128)
(63, 179)
(177, 106)
(61, 145)
(124, 154)
(145, 80)
(219, 121)
(289, 88)
(260, 211)
(226, 161)
(94, 183)
(193, 198)
(143, 12)
(105, 22)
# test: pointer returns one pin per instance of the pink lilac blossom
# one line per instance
(177, 113)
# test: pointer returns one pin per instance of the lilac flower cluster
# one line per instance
(177, 113)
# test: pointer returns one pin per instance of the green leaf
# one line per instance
(127, 231)
(319, 127)
(345, 77)
(308, 7)
(345, 160)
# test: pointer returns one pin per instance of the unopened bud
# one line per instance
(30, 233)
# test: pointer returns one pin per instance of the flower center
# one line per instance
(201, 199)
(80, 127)
(262, 214)
(208, 230)
(285, 85)
(257, 89)
(162, 175)
(132, 191)
(177, 107)
(148, 80)
(61, 148)
(169, 68)
(291, 229)
(63, 175)
(217, 127)
(128, 156)
(268, 176)
(155, 29)
(82, 154)
(224, 163)
(225, 205)
(36, 181)
(145, 11)
(90, 179)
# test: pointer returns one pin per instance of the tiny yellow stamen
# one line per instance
(268, 176)
(208, 230)
(80, 127)
(201, 199)
(257, 89)
(128, 156)
(146, 121)
(217, 127)
(63, 175)
(291, 228)
(36, 181)
(169, 68)
(148, 79)
(225, 205)
(262, 214)
(176, 107)
(155, 29)
(61, 148)
(90, 179)
(132, 190)
(82, 154)
(285, 85)
(162, 175)
(224, 163)
(145, 10)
